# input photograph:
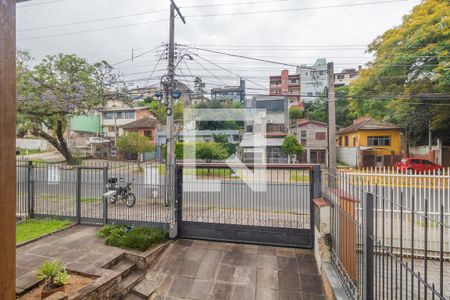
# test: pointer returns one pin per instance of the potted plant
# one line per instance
(55, 277)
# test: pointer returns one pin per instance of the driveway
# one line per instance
(217, 270)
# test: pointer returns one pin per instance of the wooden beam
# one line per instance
(7, 149)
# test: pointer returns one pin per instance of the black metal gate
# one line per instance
(91, 185)
(269, 204)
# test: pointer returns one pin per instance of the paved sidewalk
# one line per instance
(214, 270)
(77, 247)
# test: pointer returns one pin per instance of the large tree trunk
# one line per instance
(63, 145)
(59, 142)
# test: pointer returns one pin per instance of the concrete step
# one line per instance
(124, 267)
(133, 296)
(146, 287)
(130, 281)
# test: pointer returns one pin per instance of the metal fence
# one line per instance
(76, 192)
(390, 234)
(266, 204)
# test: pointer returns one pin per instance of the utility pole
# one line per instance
(170, 160)
(7, 149)
(331, 120)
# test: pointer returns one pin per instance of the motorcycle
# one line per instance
(122, 191)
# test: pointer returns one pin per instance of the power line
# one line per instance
(154, 69)
(40, 3)
(297, 9)
(91, 30)
(137, 56)
(90, 21)
(227, 70)
(233, 4)
(132, 15)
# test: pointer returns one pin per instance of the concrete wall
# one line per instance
(35, 144)
(348, 156)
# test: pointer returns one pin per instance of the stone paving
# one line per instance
(189, 269)
(77, 247)
(215, 270)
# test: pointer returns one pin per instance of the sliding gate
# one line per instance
(269, 204)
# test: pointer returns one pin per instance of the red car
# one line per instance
(418, 165)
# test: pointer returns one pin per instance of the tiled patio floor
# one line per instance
(190, 269)
(214, 270)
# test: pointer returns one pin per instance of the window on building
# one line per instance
(379, 141)
(320, 136)
(303, 134)
(354, 141)
(148, 133)
(129, 115)
(249, 128)
(310, 94)
(108, 116)
(111, 129)
(119, 115)
(340, 76)
(340, 141)
(346, 141)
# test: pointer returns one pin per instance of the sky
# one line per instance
(289, 31)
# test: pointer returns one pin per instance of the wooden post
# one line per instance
(7, 149)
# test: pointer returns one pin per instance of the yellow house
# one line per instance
(369, 143)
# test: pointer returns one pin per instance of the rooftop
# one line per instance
(147, 122)
(368, 124)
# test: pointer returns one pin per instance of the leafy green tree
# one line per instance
(318, 110)
(203, 151)
(295, 113)
(291, 146)
(409, 80)
(199, 87)
(159, 110)
(220, 138)
(134, 144)
(59, 87)
(210, 152)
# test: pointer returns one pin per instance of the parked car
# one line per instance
(96, 140)
(418, 165)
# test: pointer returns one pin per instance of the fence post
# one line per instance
(368, 240)
(105, 200)
(78, 195)
(30, 189)
(178, 197)
(317, 182)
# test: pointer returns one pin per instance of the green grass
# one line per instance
(28, 151)
(298, 176)
(90, 200)
(139, 238)
(31, 229)
(209, 172)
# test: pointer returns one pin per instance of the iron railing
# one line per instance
(76, 192)
(265, 204)
(386, 242)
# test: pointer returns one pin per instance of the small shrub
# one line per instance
(53, 273)
(107, 230)
(140, 238)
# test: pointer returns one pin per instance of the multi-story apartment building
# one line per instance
(235, 93)
(286, 85)
(112, 119)
(253, 148)
(313, 80)
(346, 76)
